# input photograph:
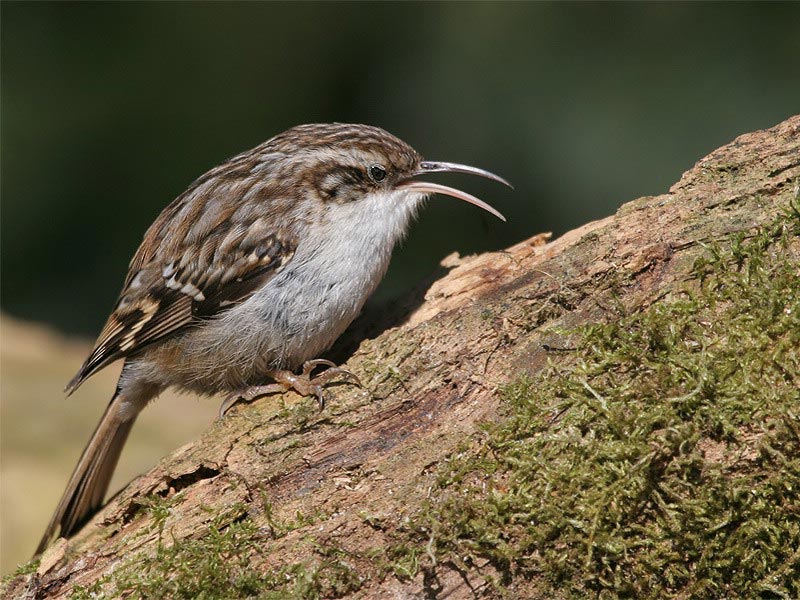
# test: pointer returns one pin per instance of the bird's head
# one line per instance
(344, 164)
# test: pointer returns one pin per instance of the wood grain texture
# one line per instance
(430, 381)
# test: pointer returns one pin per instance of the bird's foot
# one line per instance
(303, 384)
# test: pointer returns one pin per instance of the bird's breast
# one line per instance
(338, 264)
(301, 311)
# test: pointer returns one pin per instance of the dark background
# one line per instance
(110, 110)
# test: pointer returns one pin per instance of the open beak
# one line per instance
(445, 167)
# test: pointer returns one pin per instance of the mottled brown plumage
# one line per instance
(253, 271)
(220, 250)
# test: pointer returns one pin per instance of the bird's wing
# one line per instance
(208, 251)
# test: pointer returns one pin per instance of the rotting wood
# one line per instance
(429, 381)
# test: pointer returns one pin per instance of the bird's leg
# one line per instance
(303, 384)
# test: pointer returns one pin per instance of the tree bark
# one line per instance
(428, 382)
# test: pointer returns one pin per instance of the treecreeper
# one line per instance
(248, 277)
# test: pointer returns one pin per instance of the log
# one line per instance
(281, 485)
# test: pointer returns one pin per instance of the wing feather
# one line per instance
(177, 279)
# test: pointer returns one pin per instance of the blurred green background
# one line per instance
(109, 111)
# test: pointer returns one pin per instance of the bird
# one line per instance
(249, 275)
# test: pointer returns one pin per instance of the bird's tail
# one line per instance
(89, 482)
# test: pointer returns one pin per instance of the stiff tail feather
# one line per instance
(88, 485)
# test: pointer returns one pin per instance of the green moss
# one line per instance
(661, 459)
(280, 527)
(22, 570)
(226, 561)
(215, 565)
(159, 508)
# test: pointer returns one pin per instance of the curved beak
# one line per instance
(445, 167)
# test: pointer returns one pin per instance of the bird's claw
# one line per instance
(303, 384)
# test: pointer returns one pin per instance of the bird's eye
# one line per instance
(377, 173)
